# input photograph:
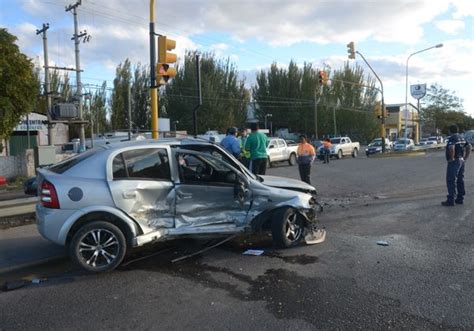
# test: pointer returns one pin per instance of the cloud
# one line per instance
(450, 26)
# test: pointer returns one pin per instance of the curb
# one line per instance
(32, 263)
(397, 154)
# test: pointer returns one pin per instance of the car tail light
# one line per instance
(48, 195)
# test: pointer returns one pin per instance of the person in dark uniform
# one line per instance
(457, 152)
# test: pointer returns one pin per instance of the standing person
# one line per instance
(457, 152)
(326, 149)
(244, 154)
(306, 155)
(231, 143)
(256, 144)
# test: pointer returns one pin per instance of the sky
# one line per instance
(254, 34)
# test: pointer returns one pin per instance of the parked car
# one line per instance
(343, 146)
(279, 151)
(108, 200)
(423, 141)
(403, 144)
(375, 147)
(434, 140)
(30, 186)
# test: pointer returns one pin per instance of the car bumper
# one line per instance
(50, 223)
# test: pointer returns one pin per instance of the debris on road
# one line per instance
(255, 252)
(14, 284)
(382, 243)
(315, 237)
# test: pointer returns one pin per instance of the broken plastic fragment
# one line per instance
(382, 243)
(255, 252)
(315, 237)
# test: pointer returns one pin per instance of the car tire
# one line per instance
(98, 247)
(339, 154)
(269, 164)
(292, 159)
(355, 152)
(287, 228)
(367, 154)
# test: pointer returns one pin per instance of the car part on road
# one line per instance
(287, 227)
(98, 246)
(315, 236)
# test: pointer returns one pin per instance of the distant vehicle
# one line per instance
(423, 141)
(433, 140)
(279, 151)
(212, 136)
(403, 144)
(343, 146)
(469, 136)
(376, 147)
(388, 143)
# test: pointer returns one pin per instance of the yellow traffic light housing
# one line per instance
(378, 109)
(163, 70)
(351, 50)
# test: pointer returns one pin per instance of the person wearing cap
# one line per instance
(245, 154)
(231, 143)
(305, 157)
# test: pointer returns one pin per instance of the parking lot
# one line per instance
(423, 279)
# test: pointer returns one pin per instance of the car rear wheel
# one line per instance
(287, 228)
(354, 152)
(339, 154)
(292, 159)
(98, 247)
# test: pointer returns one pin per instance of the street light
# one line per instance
(406, 86)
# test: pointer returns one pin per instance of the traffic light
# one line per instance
(163, 70)
(323, 77)
(351, 50)
(378, 109)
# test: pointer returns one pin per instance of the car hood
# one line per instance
(287, 183)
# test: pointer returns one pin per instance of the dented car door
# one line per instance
(209, 192)
(142, 186)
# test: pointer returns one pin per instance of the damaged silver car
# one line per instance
(102, 203)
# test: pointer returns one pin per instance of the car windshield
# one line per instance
(376, 144)
(402, 141)
(335, 140)
(67, 164)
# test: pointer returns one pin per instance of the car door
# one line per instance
(272, 150)
(282, 150)
(208, 192)
(141, 185)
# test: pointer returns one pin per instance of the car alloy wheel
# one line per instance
(287, 227)
(98, 247)
(292, 160)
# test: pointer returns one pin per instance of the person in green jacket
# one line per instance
(256, 144)
(245, 154)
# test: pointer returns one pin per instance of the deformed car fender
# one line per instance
(131, 225)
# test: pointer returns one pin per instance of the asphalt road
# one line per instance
(422, 280)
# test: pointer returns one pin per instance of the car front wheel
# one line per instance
(287, 228)
(98, 247)
(339, 154)
(292, 159)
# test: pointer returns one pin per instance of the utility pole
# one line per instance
(47, 88)
(76, 38)
(129, 112)
(316, 115)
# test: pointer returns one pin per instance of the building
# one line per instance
(395, 121)
(38, 134)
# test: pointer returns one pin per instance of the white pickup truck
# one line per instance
(343, 146)
(279, 151)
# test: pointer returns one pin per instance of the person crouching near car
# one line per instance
(305, 157)
(326, 150)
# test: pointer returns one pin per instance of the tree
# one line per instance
(224, 95)
(442, 109)
(119, 100)
(289, 94)
(18, 85)
(141, 97)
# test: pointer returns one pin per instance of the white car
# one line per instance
(403, 144)
(433, 140)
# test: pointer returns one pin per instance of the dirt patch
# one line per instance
(17, 220)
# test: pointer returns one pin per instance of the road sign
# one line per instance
(418, 91)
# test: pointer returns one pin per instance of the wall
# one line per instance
(21, 165)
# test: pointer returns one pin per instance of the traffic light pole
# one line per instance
(198, 77)
(383, 102)
(153, 85)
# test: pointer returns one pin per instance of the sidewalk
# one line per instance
(23, 246)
